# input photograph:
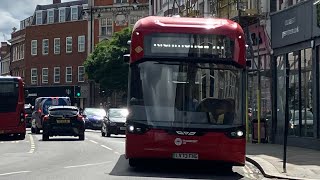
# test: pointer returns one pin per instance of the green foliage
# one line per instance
(106, 66)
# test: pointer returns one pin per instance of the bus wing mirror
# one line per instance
(248, 63)
(126, 58)
(26, 93)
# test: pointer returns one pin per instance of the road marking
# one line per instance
(117, 152)
(84, 165)
(106, 147)
(32, 145)
(93, 141)
(10, 173)
(249, 172)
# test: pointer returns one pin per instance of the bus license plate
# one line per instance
(185, 156)
(63, 121)
(122, 128)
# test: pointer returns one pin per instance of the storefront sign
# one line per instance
(292, 25)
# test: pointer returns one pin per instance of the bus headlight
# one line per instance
(136, 128)
(131, 129)
(236, 134)
(240, 133)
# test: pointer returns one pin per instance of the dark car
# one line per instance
(114, 122)
(28, 108)
(93, 117)
(41, 109)
(63, 121)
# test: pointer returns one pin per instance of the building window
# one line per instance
(74, 13)
(38, 17)
(120, 1)
(81, 74)
(68, 74)
(45, 75)
(56, 75)
(34, 76)
(103, 27)
(62, 15)
(81, 43)
(69, 44)
(106, 27)
(22, 51)
(50, 15)
(109, 26)
(17, 52)
(45, 46)
(34, 47)
(56, 45)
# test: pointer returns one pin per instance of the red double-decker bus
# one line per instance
(186, 91)
(12, 113)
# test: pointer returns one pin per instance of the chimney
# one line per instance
(56, 1)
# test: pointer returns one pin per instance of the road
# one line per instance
(95, 158)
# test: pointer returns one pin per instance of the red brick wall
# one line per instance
(51, 31)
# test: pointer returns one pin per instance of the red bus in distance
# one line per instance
(12, 113)
(186, 94)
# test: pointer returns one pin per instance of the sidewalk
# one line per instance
(301, 163)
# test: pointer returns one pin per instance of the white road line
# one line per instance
(32, 145)
(245, 170)
(10, 173)
(250, 173)
(117, 152)
(1, 142)
(84, 165)
(93, 141)
(106, 147)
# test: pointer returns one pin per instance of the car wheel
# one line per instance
(107, 133)
(81, 137)
(45, 137)
(103, 128)
(37, 130)
(33, 130)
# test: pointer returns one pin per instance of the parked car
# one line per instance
(93, 117)
(28, 108)
(63, 121)
(114, 122)
(41, 109)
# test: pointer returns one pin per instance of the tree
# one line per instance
(106, 66)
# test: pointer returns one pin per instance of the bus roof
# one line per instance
(186, 25)
(10, 77)
(208, 25)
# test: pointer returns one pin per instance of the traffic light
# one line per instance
(77, 91)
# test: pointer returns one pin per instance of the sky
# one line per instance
(13, 11)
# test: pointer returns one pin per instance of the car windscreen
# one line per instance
(63, 111)
(94, 112)
(54, 102)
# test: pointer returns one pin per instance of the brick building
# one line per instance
(106, 17)
(49, 50)
(4, 58)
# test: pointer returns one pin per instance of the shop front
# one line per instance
(295, 64)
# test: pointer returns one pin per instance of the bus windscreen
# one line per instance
(9, 94)
(188, 45)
